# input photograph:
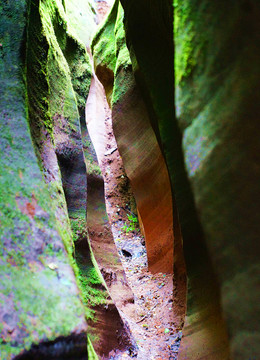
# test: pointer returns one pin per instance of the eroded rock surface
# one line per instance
(40, 300)
(43, 211)
(194, 171)
(137, 143)
(210, 148)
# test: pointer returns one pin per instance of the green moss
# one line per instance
(71, 231)
(104, 43)
(123, 58)
(92, 165)
(78, 227)
(90, 281)
(184, 38)
(46, 301)
(81, 15)
(58, 69)
(29, 293)
(37, 73)
(189, 42)
(62, 97)
(29, 286)
(12, 26)
(80, 69)
(122, 53)
(67, 74)
(91, 352)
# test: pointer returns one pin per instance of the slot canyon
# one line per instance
(129, 169)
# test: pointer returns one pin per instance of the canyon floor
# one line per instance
(152, 322)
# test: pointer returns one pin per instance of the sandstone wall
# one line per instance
(40, 303)
(46, 76)
(211, 148)
(137, 143)
(217, 102)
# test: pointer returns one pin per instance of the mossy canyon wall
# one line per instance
(50, 281)
(182, 79)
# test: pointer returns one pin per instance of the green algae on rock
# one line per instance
(40, 301)
(103, 43)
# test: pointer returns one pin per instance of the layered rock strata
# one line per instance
(211, 149)
(137, 143)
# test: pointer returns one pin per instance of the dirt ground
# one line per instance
(153, 323)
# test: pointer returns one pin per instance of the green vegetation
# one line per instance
(91, 164)
(81, 15)
(35, 268)
(104, 43)
(89, 278)
(123, 58)
(184, 38)
(91, 352)
(189, 38)
(110, 51)
(78, 227)
(131, 225)
(30, 293)
(122, 54)
(93, 290)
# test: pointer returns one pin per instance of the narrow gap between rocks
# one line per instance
(151, 322)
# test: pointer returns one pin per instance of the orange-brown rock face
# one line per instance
(144, 163)
(204, 333)
(211, 149)
(137, 143)
(100, 234)
(146, 169)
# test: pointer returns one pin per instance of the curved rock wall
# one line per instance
(217, 77)
(211, 152)
(145, 167)
(195, 173)
(42, 314)
(40, 302)
(137, 143)
(69, 77)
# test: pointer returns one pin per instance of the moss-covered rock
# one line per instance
(40, 301)
(41, 308)
(103, 43)
(217, 102)
(123, 61)
(207, 149)
(82, 19)
(104, 51)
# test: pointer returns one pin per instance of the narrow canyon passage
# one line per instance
(106, 246)
(150, 317)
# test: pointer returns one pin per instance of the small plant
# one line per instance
(131, 226)
(78, 227)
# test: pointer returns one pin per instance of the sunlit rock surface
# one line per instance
(216, 179)
(185, 111)
(137, 143)
(45, 79)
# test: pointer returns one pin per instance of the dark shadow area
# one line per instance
(74, 179)
(62, 348)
